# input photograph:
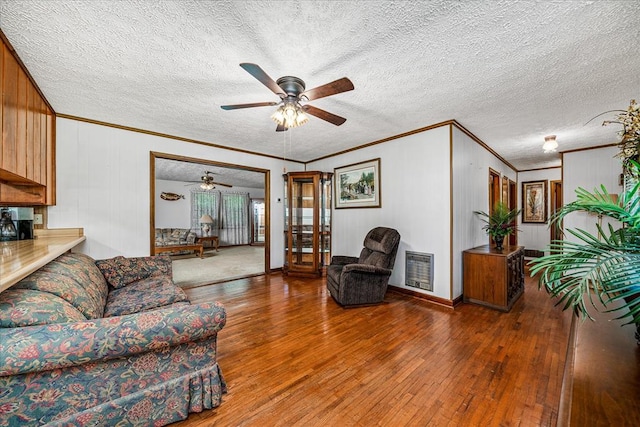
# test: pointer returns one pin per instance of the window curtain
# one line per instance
(234, 221)
(230, 213)
(204, 203)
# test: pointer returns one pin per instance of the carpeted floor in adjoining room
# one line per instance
(190, 271)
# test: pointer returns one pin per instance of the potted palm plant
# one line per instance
(499, 223)
(606, 266)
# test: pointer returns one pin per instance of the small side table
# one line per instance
(212, 239)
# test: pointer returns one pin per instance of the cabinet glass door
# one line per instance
(302, 222)
(325, 220)
(307, 222)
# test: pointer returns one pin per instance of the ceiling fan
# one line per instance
(207, 183)
(291, 91)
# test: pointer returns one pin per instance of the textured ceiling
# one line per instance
(176, 170)
(511, 72)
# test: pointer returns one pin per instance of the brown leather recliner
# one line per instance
(355, 281)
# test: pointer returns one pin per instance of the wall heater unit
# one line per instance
(419, 270)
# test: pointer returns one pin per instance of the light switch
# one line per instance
(37, 219)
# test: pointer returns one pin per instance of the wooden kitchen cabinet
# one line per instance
(27, 147)
(493, 278)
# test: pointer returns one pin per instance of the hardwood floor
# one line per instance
(292, 356)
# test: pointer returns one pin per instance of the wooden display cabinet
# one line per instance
(307, 223)
(493, 278)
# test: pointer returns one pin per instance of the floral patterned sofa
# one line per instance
(175, 237)
(110, 342)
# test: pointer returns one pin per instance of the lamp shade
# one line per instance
(206, 219)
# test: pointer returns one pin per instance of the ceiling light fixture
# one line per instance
(290, 114)
(207, 186)
(550, 144)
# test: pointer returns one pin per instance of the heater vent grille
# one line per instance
(419, 270)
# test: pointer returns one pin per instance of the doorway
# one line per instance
(259, 175)
(556, 204)
(258, 225)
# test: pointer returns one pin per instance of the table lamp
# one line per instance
(205, 222)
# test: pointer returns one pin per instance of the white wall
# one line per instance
(536, 236)
(589, 169)
(173, 213)
(471, 163)
(414, 188)
(177, 213)
(417, 194)
(103, 185)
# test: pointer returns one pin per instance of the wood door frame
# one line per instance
(153, 155)
(495, 189)
(495, 192)
(513, 204)
(555, 203)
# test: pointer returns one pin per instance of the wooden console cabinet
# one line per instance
(493, 278)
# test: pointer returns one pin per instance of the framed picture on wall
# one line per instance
(358, 185)
(534, 202)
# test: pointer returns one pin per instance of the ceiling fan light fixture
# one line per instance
(301, 118)
(550, 144)
(290, 115)
(207, 186)
(278, 115)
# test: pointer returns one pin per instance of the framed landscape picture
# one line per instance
(534, 202)
(358, 185)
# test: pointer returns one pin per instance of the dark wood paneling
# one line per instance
(50, 154)
(21, 124)
(9, 119)
(27, 148)
(22, 195)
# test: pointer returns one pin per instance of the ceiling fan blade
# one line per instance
(335, 87)
(281, 128)
(212, 182)
(264, 78)
(324, 115)
(255, 104)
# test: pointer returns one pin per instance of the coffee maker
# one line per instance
(16, 224)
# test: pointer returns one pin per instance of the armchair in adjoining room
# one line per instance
(363, 280)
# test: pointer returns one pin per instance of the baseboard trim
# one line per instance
(430, 298)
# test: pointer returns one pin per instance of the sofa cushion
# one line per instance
(143, 295)
(121, 271)
(28, 307)
(179, 233)
(73, 277)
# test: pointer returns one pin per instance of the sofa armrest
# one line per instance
(343, 260)
(47, 347)
(121, 271)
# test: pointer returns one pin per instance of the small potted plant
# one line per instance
(500, 223)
